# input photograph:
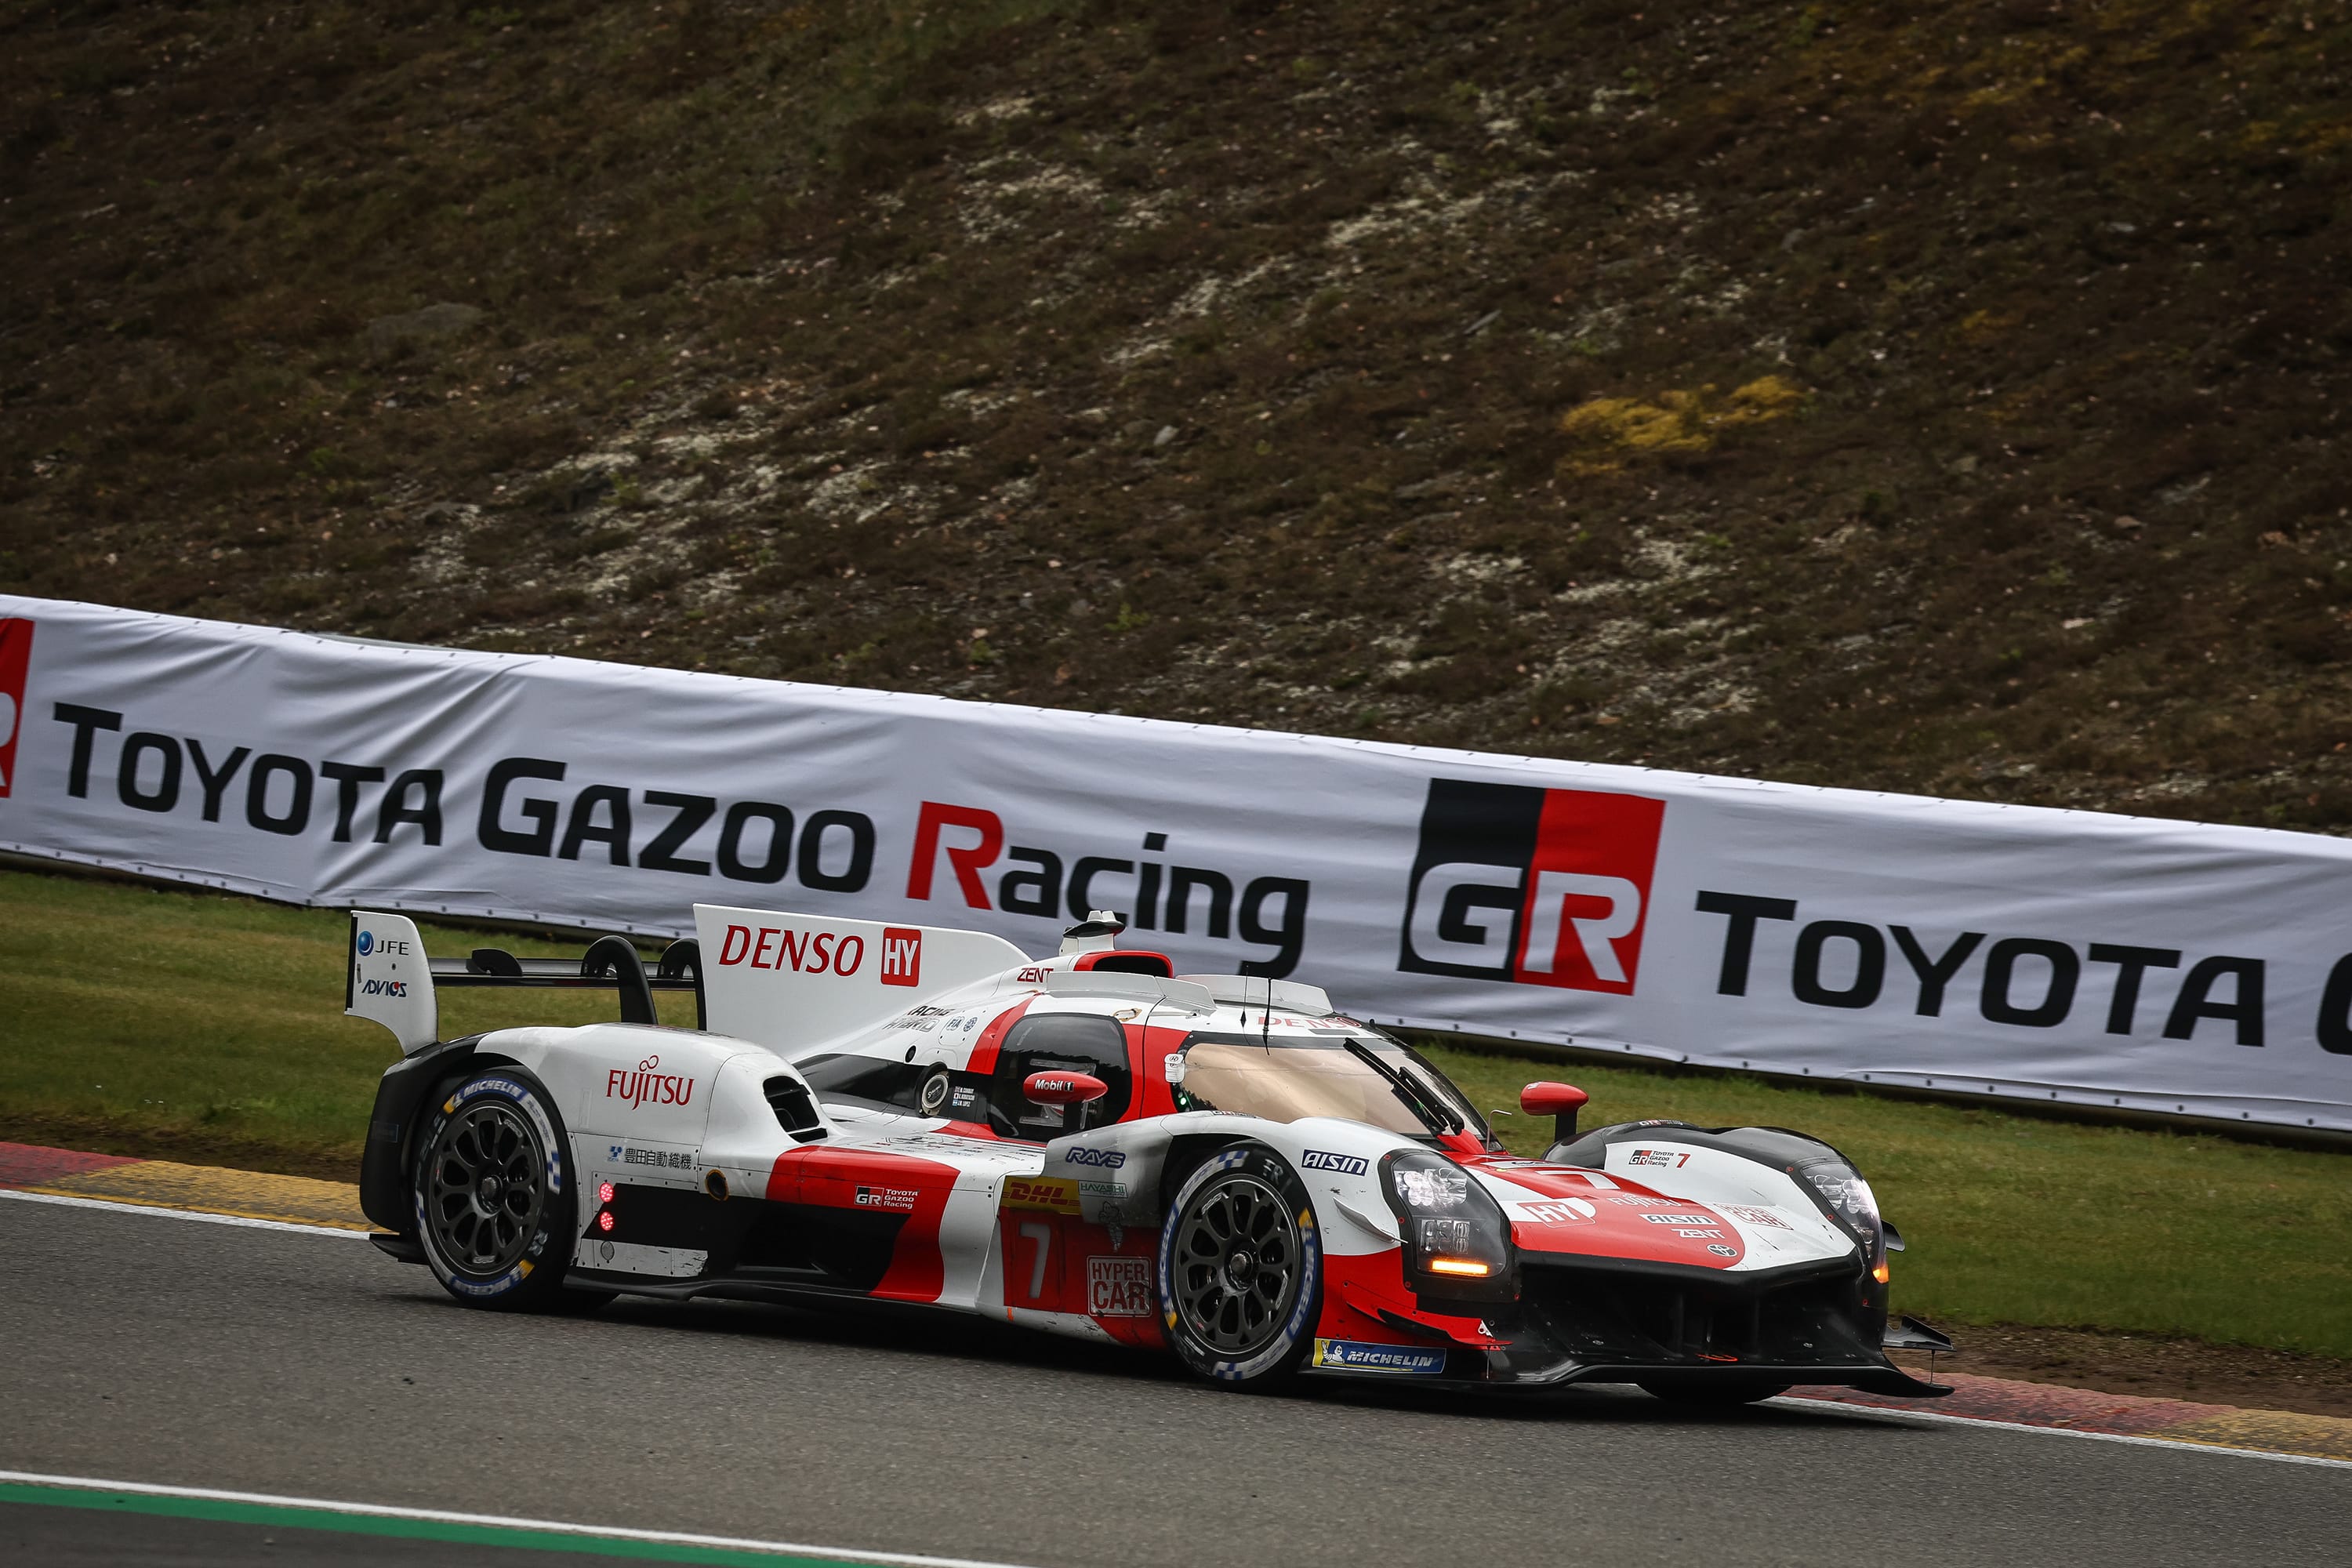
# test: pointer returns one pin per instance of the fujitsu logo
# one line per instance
(649, 1085)
(1543, 886)
(15, 654)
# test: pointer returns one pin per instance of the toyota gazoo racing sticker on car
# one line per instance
(1118, 1286)
(1538, 887)
(649, 1085)
(1355, 1355)
(1675, 1158)
(875, 1195)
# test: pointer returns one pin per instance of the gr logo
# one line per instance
(1543, 886)
(15, 653)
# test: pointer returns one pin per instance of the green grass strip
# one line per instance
(325, 1516)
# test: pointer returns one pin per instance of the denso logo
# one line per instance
(16, 657)
(1108, 1159)
(902, 956)
(1543, 886)
(649, 1085)
(808, 952)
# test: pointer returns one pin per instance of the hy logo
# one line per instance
(367, 944)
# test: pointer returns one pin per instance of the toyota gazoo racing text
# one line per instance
(1219, 1166)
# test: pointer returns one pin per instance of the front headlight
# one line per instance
(1850, 1198)
(1456, 1241)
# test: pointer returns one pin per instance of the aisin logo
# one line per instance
(1543, 886)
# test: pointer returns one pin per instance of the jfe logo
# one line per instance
(902, 956)
(16, 655)
(1543, 886)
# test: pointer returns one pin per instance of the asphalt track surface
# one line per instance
(146, 1349)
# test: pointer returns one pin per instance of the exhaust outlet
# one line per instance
(714, 1184)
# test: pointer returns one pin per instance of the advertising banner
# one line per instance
(2068, 956)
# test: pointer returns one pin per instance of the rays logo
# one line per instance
(1539, 887)
(1108, 1159)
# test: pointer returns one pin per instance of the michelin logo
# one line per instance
(1354, 1355)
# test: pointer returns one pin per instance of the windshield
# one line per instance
(1360, 1076)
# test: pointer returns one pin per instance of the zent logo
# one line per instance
(1543, 886)
(1321, 1159)
(902, 956)
(367, 944)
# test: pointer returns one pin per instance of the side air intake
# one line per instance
(795, 1111)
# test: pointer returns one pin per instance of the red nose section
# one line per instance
(1551, 1098)
(1063, 1088)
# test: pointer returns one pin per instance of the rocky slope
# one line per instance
(1931, 398)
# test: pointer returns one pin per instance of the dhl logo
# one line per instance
(1050, 1194)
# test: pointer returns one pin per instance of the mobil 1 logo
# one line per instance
(1539, 887)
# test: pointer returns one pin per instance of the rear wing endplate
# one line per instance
(392, 981)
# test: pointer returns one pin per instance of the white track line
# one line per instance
(554, 1527)
(204, 1215)
(2184, 1445)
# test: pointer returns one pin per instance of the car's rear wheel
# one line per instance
(492, 1193)
(1716, 1394)
(1241, 1270)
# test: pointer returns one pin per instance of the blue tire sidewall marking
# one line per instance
(496, 1085)
(1310, 1259)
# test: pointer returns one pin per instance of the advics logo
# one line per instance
(1544, 887)
(15, 654)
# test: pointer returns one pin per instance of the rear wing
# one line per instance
(392, 981)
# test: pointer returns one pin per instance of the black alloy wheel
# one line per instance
(491, 1192)
(1241, 1269)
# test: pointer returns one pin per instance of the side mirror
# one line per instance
(1560, 1099)
(1065, 1088)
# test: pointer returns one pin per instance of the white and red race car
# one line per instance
(1220, 1166)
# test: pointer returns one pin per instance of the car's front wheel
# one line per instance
(1241, 1270)
(492, 1192)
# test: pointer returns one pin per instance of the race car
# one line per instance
(1221, 1167)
